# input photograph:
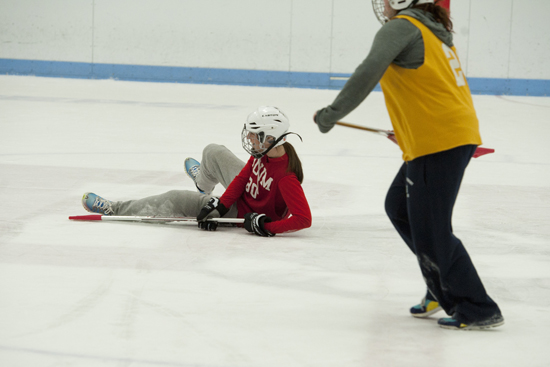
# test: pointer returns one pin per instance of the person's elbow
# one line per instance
(305, 222)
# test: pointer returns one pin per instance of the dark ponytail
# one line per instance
(294, 163)
(440, 14)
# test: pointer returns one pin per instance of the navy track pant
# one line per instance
(420, 205)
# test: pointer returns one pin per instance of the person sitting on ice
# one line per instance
(266, 190)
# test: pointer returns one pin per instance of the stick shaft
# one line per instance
(130, 218)
(372, 130)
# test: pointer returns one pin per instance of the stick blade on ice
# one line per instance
(86, 217)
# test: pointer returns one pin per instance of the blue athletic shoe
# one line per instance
(454, 324)
(425, 308)
(96, 204)
(193, 167)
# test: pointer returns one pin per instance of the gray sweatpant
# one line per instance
(218, 165)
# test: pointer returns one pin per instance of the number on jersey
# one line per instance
(455, 65)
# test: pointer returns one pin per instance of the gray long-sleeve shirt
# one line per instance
(398, 41)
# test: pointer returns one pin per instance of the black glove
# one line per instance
(214, 208)
(208, 225)
(254, 223)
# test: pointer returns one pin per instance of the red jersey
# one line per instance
(264, 186)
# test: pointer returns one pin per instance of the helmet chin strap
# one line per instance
(277, 142)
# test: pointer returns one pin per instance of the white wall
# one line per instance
(503, 38)
(495, 38)
(46, 30)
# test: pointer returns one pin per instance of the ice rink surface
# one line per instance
(337, 294)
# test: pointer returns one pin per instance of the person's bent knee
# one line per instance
(212, 149)
(394, 206)
(390, 206)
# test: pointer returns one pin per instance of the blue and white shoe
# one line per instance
(425, 308)
(454, 324)
(193, 167)
(96, 204)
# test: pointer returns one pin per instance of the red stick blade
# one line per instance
(86, 217)
(482, 151)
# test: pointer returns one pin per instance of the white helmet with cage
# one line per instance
(381, 12)
(265, 128)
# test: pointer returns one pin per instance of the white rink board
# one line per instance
(503, 39)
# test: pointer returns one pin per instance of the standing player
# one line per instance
(266, 191)
(436, 127)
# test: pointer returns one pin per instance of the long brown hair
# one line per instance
(294, 163)
(440, 14)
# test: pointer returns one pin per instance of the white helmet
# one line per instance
(265, 128)
(379, 7)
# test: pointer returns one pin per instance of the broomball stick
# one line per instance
(391, 135)
(150, 219)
